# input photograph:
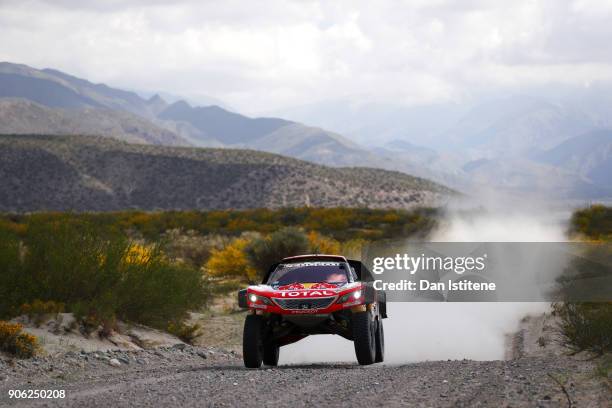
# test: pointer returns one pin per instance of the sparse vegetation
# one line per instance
(594, 223)
(191, 237)
(587, 326)
(79, 173)
(14, 341)
(210, 229)
(39, 311)
(285, 242)
(152, 268)
(96, 272)
(186, 332)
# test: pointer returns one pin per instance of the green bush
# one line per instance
(594, 222)
(11, 287)
(586, 326)
(97, 273)
(263, 252)
(157, 292)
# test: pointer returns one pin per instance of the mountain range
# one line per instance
(508, 142)
(501, 140)
(127, 116)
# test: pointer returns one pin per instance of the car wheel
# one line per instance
(252, 341)
(364, 337)
(270, 354)
(380, 342)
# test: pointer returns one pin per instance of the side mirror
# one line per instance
(242, 298)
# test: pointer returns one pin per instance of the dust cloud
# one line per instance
(419, 331)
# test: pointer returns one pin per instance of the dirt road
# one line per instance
(191, 376)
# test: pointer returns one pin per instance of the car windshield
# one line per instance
(309, 272)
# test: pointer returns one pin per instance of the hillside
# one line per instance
(21, 116)
(100, 174)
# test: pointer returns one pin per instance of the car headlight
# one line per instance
(253, 298)
(356, 295)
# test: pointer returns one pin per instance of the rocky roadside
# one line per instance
(536, 374)
(93, 369)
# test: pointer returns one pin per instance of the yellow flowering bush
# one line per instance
(231, 261)
(16, 342)
(137, 254)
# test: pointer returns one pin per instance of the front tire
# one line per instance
(380, 342)
(364, 337)
(271, 353)
(252, 341)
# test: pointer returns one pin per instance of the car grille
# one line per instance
(304, 304)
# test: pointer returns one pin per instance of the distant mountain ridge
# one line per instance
(172, 124)
(588, 155)
(227, 127)
(42, 173)
(495, 141)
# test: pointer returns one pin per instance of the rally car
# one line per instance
(313, 294)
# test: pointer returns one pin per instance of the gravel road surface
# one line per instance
(192, 376)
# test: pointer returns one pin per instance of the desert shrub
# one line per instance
(338, 223)
(39, 311)
(594, 222)
(186, 332)
(231, 261)
(285, 242)
(157, 292)
(14, 341)
(352, 248)
(320, 244)
(11, 291)
(70, 262)
(97, 273)
(190, 247)
(224, 286)
(585, 326)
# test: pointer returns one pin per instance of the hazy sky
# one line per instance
(264, 55)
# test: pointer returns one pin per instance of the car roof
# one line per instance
(314, 257)
(363, 274)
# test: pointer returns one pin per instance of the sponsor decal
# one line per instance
(301, 286)
(304, 311)
(293, 286)
(303, 264)
(305, 293)
(323, 285)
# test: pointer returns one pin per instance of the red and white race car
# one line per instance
(313, 294)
